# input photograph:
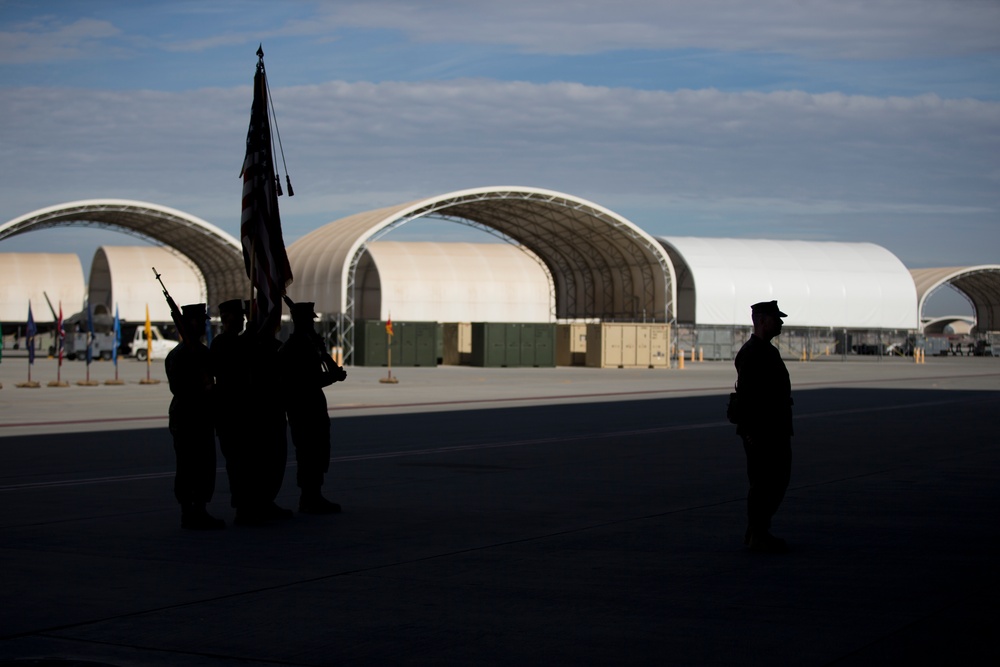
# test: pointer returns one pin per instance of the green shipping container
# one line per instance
(413, 343)
(496, 344)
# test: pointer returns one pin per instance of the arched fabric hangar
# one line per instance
(819, 284)
(216, 254)
(453, 282)
(603, 266)
(31, 276)
(121, 276)
(979, 284)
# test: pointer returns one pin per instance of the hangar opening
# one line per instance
(215, 254)
(603, 267)
(979, 284)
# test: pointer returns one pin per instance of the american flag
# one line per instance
(260, 227)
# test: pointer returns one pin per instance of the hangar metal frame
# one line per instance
(603, 266)
(980, 285)
(216, 254)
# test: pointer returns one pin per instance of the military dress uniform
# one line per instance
(250, 418)
(764, 394)
(306, 369)
(191, 423)
(231, 368)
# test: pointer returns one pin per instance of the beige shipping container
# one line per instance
(628, 345)
(457, 343)
(571, 345)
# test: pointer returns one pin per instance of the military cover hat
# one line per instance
(195, 310)
(231, 306)
(303, 309)
(767, 308)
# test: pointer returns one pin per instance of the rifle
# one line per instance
(175, 312)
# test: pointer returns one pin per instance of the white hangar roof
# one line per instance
(454, 282)
(602, 265)
(31, 276)
(819, 284)
(218, 256)
(123, 275)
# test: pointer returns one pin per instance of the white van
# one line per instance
(161, 345)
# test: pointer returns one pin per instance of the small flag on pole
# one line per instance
(60, 343)
(61, 336)
(30, 333)
(149, 349)
(116, 343)
(118, 340)
(149, 340)
(388, 352)
(90, 338)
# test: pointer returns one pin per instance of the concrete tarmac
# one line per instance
(504, 516)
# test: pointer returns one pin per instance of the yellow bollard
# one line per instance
(701, 355)
(680, 359)
(692, 355)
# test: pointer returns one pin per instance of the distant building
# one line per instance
(565, 260)
(31, 277)
(123, 276)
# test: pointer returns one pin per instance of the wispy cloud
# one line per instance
(813, 28)
(794, 158)
(47, 39)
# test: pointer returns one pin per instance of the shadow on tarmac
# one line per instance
(575, 533)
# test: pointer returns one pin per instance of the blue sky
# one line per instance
(852, 121)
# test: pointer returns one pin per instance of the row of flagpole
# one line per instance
(31, 331)
(264, 254)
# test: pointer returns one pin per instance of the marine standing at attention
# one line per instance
(250, 415)
(764, 396)
(231, 368)
(191, 421)
(306, 369)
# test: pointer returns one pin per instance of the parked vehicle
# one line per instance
(75, 346)
(140, 348)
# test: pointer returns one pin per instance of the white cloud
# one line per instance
(817, 29)
(813, 28)
(785, 163)
(49, 40)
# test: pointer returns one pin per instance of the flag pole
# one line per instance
(90, 347)
(31, 332)
(116, 343)
(59, 351)
(388, 348)
(149, 348)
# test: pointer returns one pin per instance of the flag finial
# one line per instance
(260, 50)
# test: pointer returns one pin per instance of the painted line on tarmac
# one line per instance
(511, 399)
(512, 443)
(70, 422)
